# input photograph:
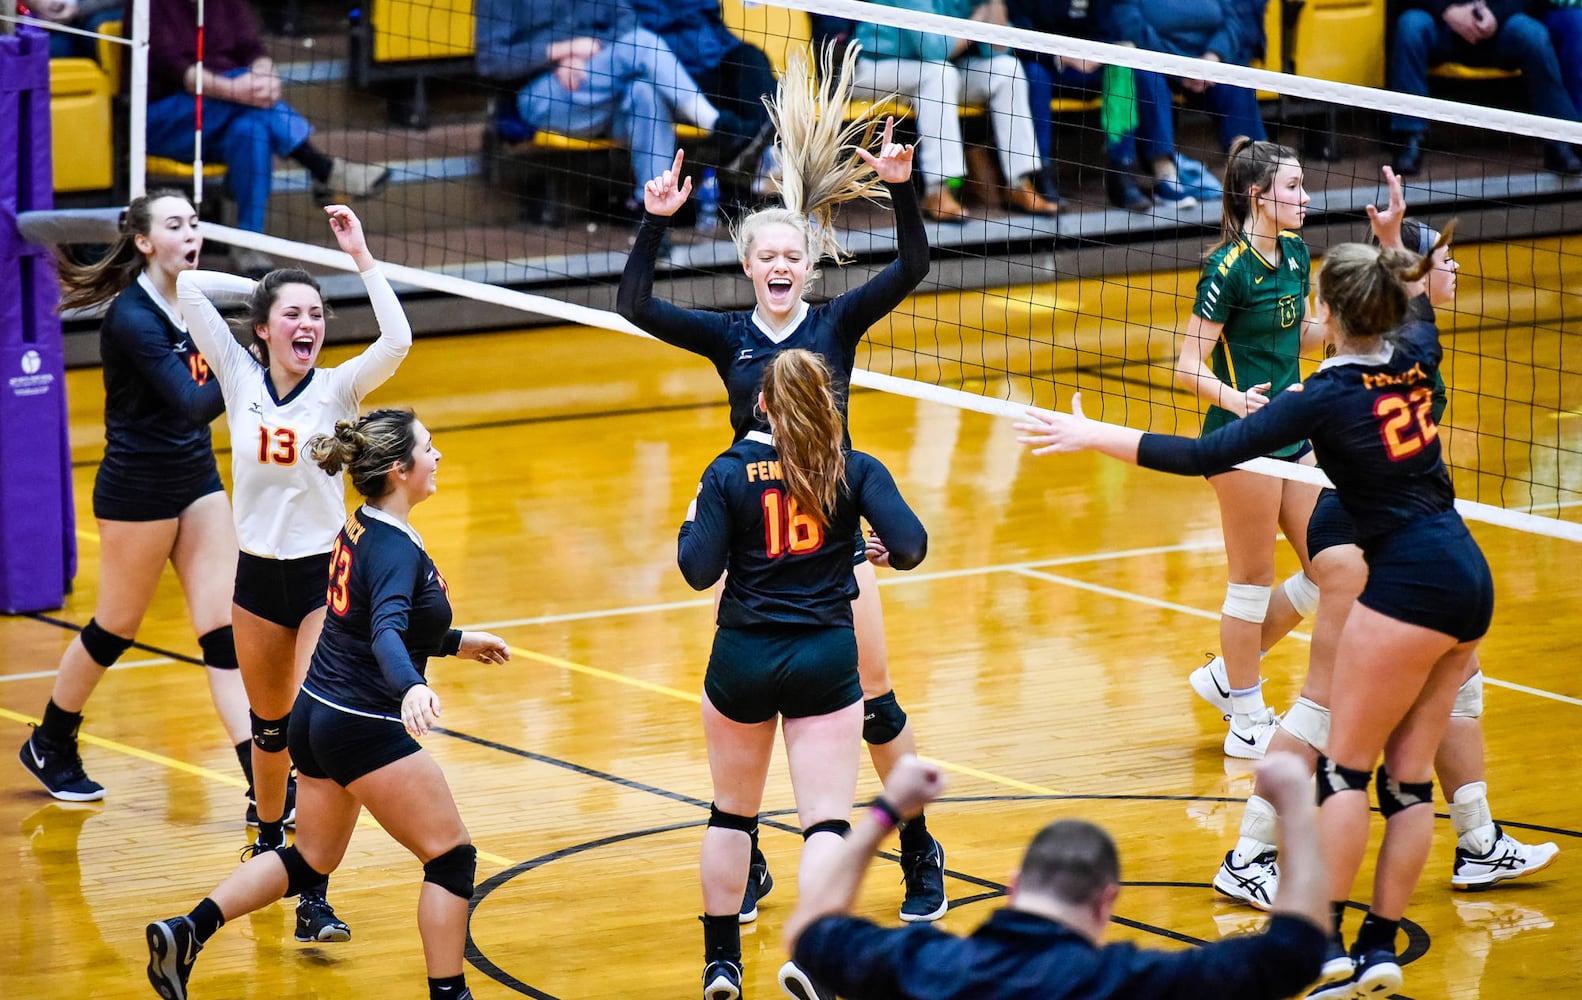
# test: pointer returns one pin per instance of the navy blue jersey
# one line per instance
(1371, 422)
(784, 569)
(388, 613)
(1420, 314)
(740, 349)
(158, 395)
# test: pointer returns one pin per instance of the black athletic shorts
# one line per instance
(343, 745)
(283, 591)
(1330, 525)
(123, 491)
(793, 671)
(1301, 453)
(1432, 574)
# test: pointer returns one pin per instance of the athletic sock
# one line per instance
(244, 757)
(914, 835)
(272, 834)
(447, 987)
(319, 165)
(59, 725)
(206, 919)
(722, 938)
(1337, 913)
(1376, 933)
(1245, 703)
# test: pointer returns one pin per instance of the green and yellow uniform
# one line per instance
(1260, 304)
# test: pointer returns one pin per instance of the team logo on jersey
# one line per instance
(1287, 311)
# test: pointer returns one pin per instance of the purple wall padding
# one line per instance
(38, 550)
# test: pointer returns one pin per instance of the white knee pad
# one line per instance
(1308, 721)
(1469, 699)
(1302, 593)
(1247, 601)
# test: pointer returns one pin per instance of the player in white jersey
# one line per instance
(287, 510)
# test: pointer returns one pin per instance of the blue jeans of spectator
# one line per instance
(1565, 31)
(632, 91)
(1421, 41)
(245, 139)
(1043, 77)
(1235, 112)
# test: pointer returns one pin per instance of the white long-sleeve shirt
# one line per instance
(285, 506)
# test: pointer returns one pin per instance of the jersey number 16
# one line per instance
(787, 529)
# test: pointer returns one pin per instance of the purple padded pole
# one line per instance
(37, 522)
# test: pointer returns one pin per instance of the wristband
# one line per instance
(885, 813)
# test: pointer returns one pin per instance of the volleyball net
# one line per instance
(490, 200)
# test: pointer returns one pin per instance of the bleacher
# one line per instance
(449, 206)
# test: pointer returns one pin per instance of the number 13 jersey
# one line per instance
(285, 506)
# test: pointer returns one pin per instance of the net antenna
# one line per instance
(137, 126)
(197, 118)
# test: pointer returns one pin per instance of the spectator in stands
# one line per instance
(1045, 72)
(937, 74)
(1115, 85)
(734, 75)
(85, 14)
(1563, 18)
(245, 123)
(1201, 29)
(586, 68)
(1477, 33)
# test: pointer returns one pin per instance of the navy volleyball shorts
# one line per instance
(283, 591)
(1432, 574)
(793, 671)
(343, 745)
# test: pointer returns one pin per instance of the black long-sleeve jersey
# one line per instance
(1371, 421)
(158, 395)
(739, 347)
(389, 611)
(784, 569)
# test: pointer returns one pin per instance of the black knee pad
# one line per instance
(882, 719)
(219, 648)
(1332, 779)
(300, 875)
(839, 827)
(269, 735)
(104, 647)
(453, 871)
(731, 821)
(1395, 796)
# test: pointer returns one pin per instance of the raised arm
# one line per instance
(379, 360)
(696, 330)
(1288, 953)
(196, 293)
(870, 302)
(831, 887)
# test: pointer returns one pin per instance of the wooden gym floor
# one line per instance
(1041, 650)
